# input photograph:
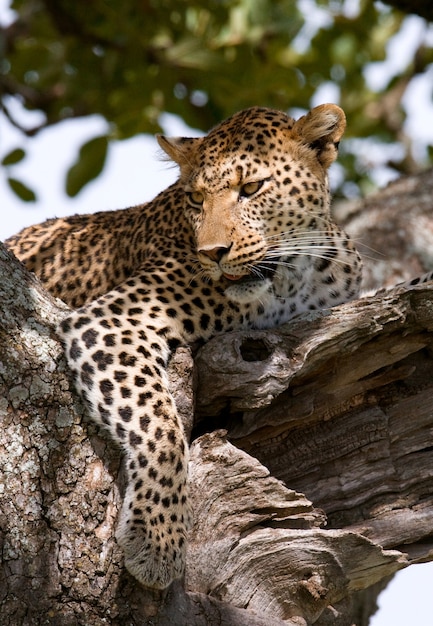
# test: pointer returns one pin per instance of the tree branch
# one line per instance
(337, 404)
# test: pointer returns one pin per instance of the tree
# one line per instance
(129, 62)
(60, 478)
(337, 404)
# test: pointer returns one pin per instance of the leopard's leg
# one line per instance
(119, 358)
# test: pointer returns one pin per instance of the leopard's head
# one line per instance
(256, 192)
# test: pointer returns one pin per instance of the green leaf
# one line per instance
(88, 166)
(21, 190)
(15, 156)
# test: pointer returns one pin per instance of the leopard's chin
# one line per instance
(248, 289)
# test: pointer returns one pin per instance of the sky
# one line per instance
(135, 170)
(135, 173)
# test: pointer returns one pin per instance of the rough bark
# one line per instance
(334, 405)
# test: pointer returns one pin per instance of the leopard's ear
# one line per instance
(322, 129)
(181, 150)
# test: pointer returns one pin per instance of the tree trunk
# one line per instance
(335, 405)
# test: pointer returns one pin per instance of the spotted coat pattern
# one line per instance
(244, 239)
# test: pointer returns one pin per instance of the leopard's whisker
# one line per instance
(317, 237)
(293, 233)
(324, 257)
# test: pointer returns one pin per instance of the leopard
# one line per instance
(244, 239)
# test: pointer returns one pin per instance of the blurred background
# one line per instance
(84, 86)
(126, 65)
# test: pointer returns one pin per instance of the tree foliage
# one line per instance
(131, 61)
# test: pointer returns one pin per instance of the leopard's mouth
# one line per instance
(259, 275)
(249, 287)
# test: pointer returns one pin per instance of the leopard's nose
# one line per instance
(216, 254)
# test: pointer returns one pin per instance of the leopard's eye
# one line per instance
(249, 189)
(195, 198)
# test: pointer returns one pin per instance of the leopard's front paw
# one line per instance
(154, 547)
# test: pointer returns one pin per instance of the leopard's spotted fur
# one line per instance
(244, 239)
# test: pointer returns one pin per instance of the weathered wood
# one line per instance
(258, 545)
(340, 409)
(393, 230)
(57, 500)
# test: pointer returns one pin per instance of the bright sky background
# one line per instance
(134, 173)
